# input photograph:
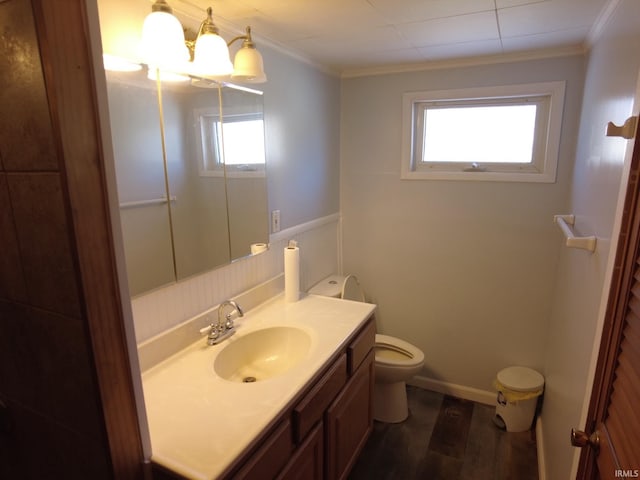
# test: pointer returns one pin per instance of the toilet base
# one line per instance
(390, 402)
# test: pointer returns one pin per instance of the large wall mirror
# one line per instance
(191, 175)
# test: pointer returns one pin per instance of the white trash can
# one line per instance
(518, 392)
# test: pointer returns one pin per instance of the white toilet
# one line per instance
(396, 360)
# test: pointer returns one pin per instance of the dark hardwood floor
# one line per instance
(446, 438)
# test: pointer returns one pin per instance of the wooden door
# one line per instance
(612, 432)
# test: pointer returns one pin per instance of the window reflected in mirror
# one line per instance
(213, 204)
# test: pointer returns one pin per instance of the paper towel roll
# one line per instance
(291, 274)
(258, 248)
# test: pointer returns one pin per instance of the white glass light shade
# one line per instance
(163, 41)
(248, 66)
(211, 56)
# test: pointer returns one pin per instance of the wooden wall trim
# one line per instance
(67, 64)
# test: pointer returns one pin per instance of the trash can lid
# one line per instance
(520, 379)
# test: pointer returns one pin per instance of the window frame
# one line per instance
(210, 127)
(548, 96)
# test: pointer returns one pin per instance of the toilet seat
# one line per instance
(351, 289)
(395, 352)
(395, 360)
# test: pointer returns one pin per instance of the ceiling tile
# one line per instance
(515, 3)
(570, 37)
(458, 29)
(461, 50)
(417, 10)
(303, 20)
(549, 16)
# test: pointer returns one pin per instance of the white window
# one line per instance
(235, 145)
(508, 133)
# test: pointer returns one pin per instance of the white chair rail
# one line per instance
(565, 222)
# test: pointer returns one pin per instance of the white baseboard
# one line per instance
(542, 466)
(459, 391)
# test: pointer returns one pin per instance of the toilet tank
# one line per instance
(329, 287)
(339, 286)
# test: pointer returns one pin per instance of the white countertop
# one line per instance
(199, 423)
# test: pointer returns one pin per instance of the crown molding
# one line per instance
(465, 62)
(598, 26)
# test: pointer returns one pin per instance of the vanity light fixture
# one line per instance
(166, 48)
(248, 65)
(163, 44)
(210, 51)
(211, 55)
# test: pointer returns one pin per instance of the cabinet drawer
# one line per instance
(308, 461)
(272, 456)
(359, 348)
(311, 408)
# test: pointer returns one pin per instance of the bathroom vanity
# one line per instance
(304, 409)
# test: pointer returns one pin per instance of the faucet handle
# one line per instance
(212, 330)
(207, 329)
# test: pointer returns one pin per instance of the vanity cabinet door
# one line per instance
(361, 345)
(271, 457)
(311, 408)
(307, 463)
(349, 421)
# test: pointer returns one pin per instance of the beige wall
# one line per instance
(464, 270)
(583, 280)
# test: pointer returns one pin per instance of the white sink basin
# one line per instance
(262, 354)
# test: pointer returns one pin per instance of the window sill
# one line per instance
(529, 177)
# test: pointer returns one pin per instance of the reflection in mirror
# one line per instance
(137, 147)
(244, 163)
(199, 215)
(218, 190)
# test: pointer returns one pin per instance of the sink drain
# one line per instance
(249, 379)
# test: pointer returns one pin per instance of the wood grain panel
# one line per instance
(12, 284)
(619, 440)
(271, 457)
(308, 461)
(360, 347)
(47, 367)
(45, 247)
(349, 421)
(450, 433)
(68, 69)
(26, 137)
(311, 408)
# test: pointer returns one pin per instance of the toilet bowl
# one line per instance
(395, 360)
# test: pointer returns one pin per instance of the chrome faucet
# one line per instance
(225, 327)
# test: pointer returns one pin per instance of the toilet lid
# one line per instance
(351, 289)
